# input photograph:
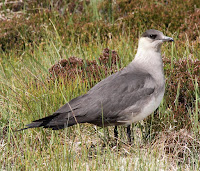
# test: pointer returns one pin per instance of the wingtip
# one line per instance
(21, 129)
(31, 125)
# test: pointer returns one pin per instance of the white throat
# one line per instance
(149, 58)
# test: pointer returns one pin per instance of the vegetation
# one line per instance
(54, 51)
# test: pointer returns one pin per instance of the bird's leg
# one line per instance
(129, 133)
(116, 132)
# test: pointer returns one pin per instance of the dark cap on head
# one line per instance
(153, 34)
(156, 35)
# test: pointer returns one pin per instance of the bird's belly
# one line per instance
(132, 114)
(147, 109)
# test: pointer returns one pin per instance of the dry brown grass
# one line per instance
(178, 145)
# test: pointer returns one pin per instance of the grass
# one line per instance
(26, 95)
(167, 140)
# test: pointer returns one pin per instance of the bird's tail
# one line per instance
(55, 122)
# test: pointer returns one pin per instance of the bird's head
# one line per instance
(152, 40)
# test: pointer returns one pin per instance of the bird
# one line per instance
(125, 97)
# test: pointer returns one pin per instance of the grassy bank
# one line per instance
(167, 140)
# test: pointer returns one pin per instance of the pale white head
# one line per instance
(152, 40)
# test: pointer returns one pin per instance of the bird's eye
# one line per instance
(152, 36)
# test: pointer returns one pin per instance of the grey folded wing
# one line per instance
(104, 104)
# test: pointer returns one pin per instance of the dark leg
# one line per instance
(129, 133)
(116, 132)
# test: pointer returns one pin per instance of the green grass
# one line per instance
(27, 95)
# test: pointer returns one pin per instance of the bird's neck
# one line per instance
(151, 62)
(149, 58)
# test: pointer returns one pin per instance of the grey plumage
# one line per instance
(122, 98)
